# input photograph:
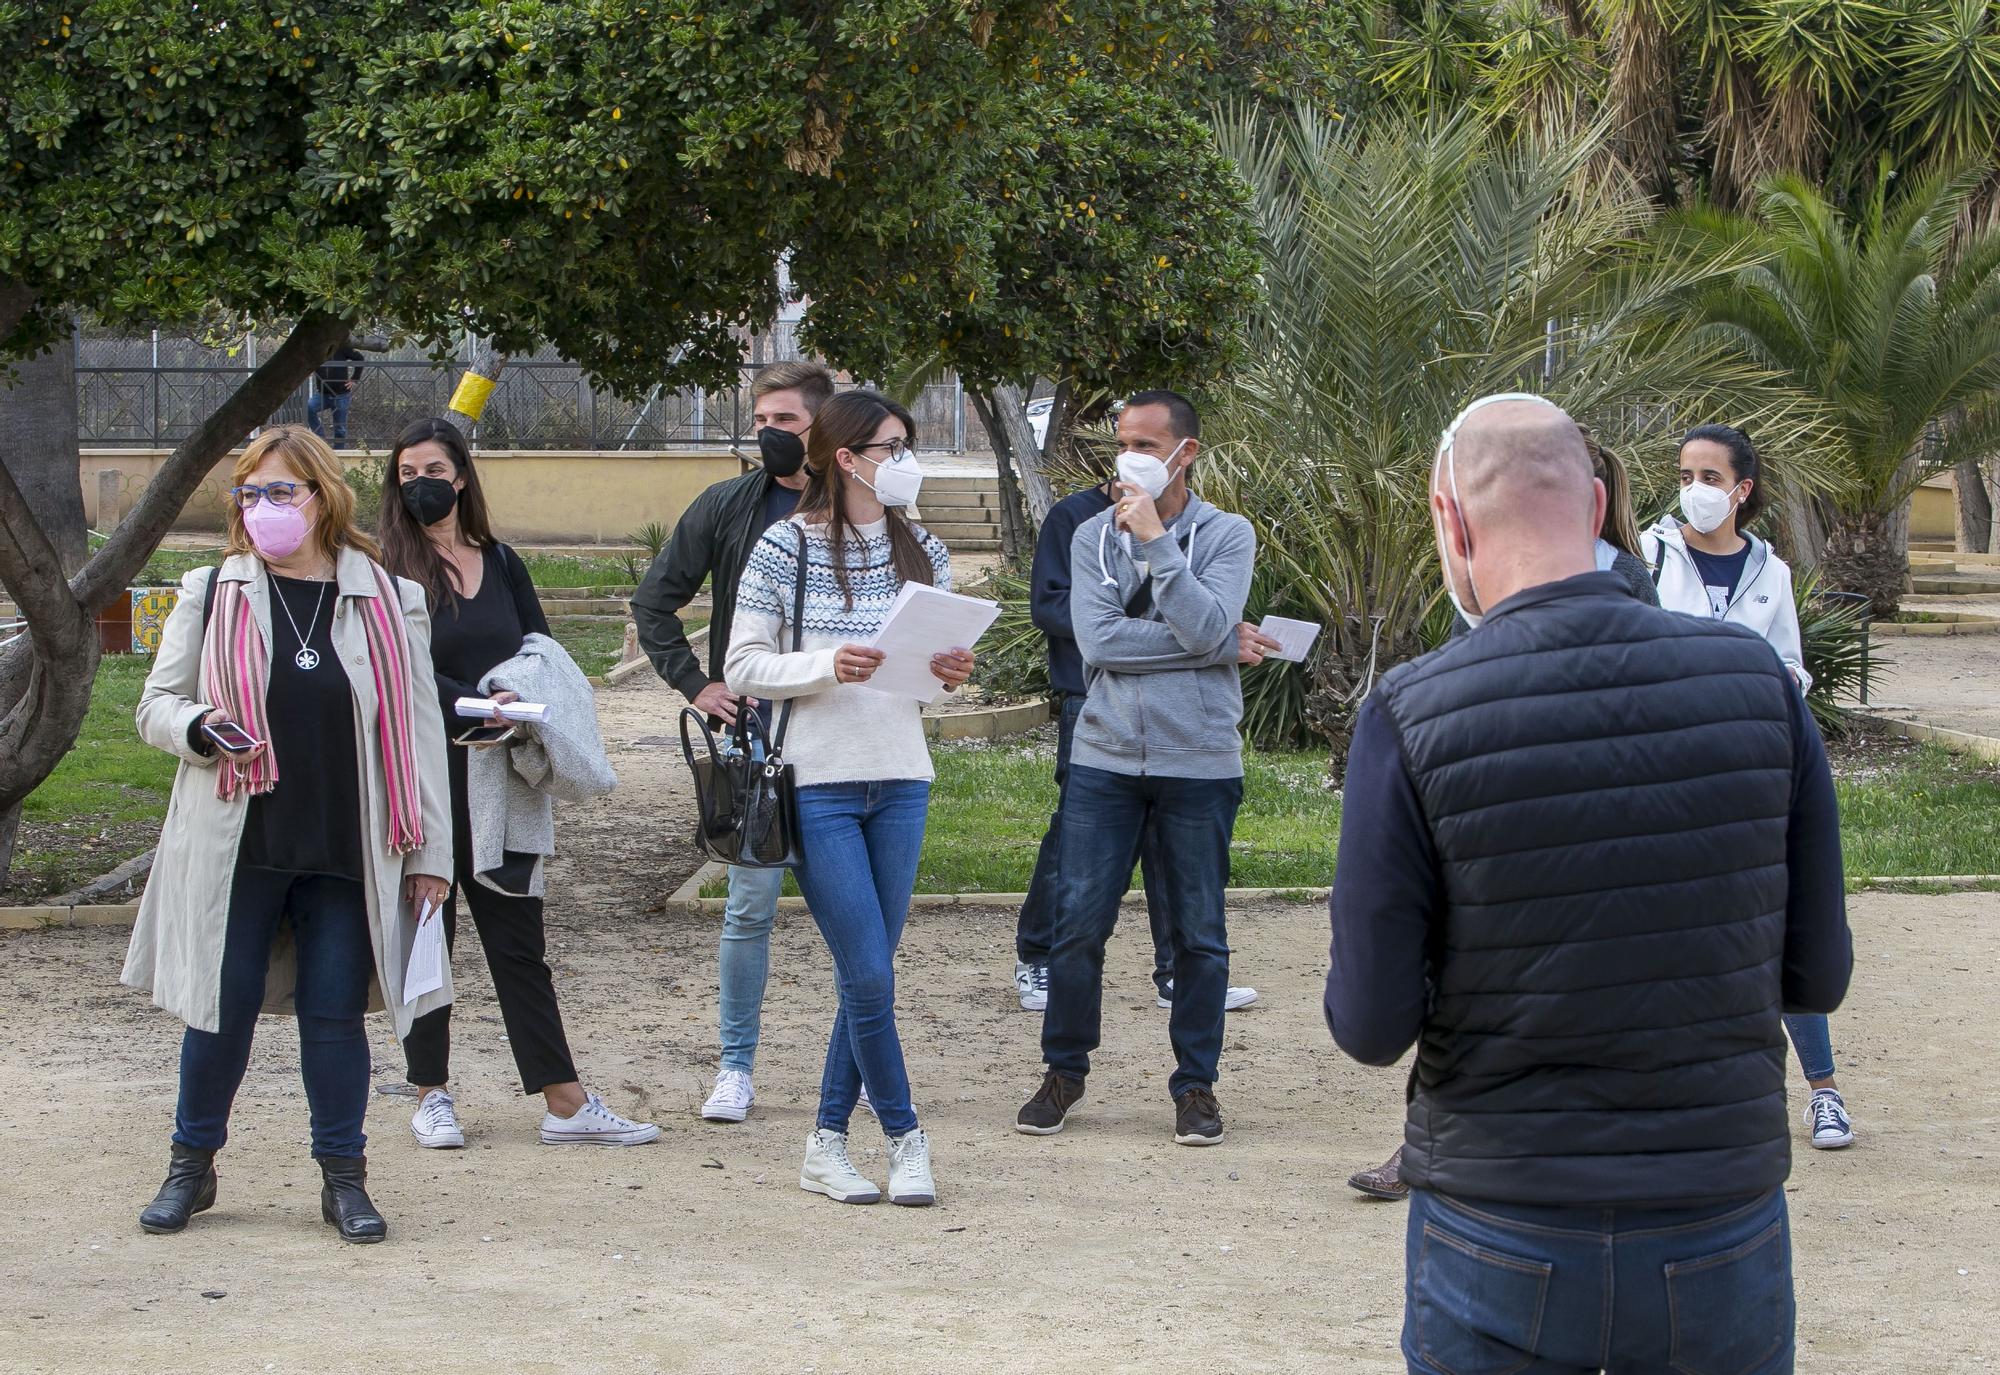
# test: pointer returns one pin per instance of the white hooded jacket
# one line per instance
(1762, 602)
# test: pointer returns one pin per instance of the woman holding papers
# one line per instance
(435, 532)
(858, 753)
(309, 822)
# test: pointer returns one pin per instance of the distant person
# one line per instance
(1049, 606)
(709, 547)
(1155, 610)
(859, 758)
(1617, 551)
(1708, 567)
(436, 533)
(333, 390)
(291, 869)
(1589, 852)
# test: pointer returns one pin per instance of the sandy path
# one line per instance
(1942, 680)
(1106, 1248)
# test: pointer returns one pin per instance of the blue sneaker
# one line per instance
(1826, 1115)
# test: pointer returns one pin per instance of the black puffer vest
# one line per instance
(1608, 786)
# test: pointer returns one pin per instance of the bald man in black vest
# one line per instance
(1589, 854)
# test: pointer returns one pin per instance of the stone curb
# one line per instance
(1958, 741)
(1959, 624)
(40, 918)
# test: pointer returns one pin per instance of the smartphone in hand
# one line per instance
(230, 737)
(479, 737)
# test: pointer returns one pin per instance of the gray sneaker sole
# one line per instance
(826, 1191)
(913, 1200)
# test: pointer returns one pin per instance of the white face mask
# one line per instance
(1706, 507)
(897, 480)
(1148, 472)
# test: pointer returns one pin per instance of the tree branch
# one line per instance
(16, 300)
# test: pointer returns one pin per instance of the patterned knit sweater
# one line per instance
(839, 732)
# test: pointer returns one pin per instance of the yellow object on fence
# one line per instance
(470, 398)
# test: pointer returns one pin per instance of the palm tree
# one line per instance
(1410, 267)
(1891, 322)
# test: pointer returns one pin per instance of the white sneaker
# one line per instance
(1232, 1000)
(1826, 1117)
(1031, 984)
(910, 1182)
(731, 1099)
(436, 1123)
(595, 1125)
(863, 1102)
(828, 1171)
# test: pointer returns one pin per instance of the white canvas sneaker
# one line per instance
(436, 1122)
(1031, 985)
(731, 1099)
(1232, 1000)
(827, 1170)
(864, 1103)
(595, 1125)
(910, 1182)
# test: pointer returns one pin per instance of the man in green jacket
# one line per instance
(710, 544)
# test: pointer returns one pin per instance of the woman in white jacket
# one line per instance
(1705, 565)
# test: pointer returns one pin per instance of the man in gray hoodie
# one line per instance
(1158, 586)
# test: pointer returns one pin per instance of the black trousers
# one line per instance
(510, 929)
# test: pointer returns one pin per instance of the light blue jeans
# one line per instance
(746, 960)
(1812, 1041)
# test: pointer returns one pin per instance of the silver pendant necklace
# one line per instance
(307, 657)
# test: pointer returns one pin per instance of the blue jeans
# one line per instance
(862, 841)
(336, 961)
(1035, 934)
(1105, 819)
(1812, 1042)
(339, 404)
(1495, 1287)
(745, 961)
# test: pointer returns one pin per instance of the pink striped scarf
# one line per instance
(236, 674)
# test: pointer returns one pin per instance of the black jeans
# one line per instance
(1105, 819)
(336, 961)
(510, 928)
(1035, 934)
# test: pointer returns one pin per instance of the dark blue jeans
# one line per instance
(1498, 1287)
(336, 960)
(1035, 935)
(1105, 819)
(861, 846)
(339, 403)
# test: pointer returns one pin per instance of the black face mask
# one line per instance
(429, 499)
(782, 451)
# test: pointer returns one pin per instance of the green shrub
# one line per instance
(366, 478)
(1833, 630)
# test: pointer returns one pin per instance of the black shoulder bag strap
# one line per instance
(1142, 600)
(208, 602)
(1659, 557)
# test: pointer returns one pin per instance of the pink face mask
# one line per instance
(277, 531)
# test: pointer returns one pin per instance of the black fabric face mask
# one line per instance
(783, 452)
(429, 499)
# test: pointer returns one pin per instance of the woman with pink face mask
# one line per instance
(310, 824)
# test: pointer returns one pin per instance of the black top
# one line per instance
(311, 822)
(1588, 853)
(339, 373)
(1049, 582)
(1720, 573)
(471, 635)
(779, 503)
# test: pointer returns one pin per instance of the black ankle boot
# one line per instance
(343, 1200)
(189, 1189)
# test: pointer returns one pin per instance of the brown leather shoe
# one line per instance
(1044, 1114)
(1385, 1181)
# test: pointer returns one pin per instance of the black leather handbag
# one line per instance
(747, 799)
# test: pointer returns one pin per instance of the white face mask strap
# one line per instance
(1446, 456)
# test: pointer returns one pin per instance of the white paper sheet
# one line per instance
(1296, 637)
(425, 971)
(923, 621)
(479, 708)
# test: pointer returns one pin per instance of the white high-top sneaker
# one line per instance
(436, 1122)
(731, 1100)
(827, 1170)
(910, 1182)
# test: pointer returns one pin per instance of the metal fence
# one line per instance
(136, 392)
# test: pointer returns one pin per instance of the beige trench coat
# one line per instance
(176, 950)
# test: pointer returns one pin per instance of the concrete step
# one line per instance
(933, 497)
(960, 483)
(972, 546)
(1957, 585)
(583, 606)
(951, 532)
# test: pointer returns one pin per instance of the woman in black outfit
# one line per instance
(435, 532)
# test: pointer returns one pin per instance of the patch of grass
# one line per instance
(597, 644)
(1908, 617)
(1926, 812)
(166, 566)
(567, 570)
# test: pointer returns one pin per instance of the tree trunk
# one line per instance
(1010, 407)
(1805, 522)
(10, 834)
(1016, 539)
(46, 675)
(1975, 508)
(38, 443)
(1868, 552)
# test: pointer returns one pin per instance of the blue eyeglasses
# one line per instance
(277, 493)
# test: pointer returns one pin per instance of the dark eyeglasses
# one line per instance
(277, 493)
(897, 447)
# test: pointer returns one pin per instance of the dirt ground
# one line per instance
(1943, 680)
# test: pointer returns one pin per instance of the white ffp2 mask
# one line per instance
(897, 480)
(1148, 472)
(1706, 507)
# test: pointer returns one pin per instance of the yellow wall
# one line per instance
(540, 496)
(1934, 510)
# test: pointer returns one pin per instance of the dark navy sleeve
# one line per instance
(1386, 894)
(1819, 949)
(1048, 603)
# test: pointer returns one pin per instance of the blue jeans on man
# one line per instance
(860, 867)
(337, 402)
(1035, 935)
(1105, 820)
(1569, 1290)
(745, 959)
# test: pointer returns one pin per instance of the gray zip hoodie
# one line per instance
(1162, 695)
